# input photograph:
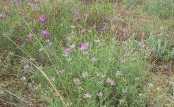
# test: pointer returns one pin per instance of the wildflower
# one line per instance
(53, 78)
(84, 46)
(87, 96)
(122, 60)
(89, 31)
(143, 44)
(112, 82)
(83, 31)
(76, 12)
(43, 18)
(1, 91)
(149, 85)
(45, 34)
(72, 46)
(68, 38)
(78, 18)
(86, 15)
(100, 94)
(68, 51)
(93, 59)
(85, 74)
(101, 30)
(105, 24)
(23, 78)
(118, 73)
(30, 36)
(1, 16)
(77, 81)
(127, 55)
(133, 59)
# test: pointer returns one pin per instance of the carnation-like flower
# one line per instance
(84, 46)
(68, 51)
(43, 18)
(45, 34)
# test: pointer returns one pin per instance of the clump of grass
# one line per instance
(160, 8)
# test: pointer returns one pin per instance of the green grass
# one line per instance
(110, 72)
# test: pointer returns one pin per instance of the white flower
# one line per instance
(100, 94)
(87, 96)
(85, 74)
(23, 78)
(149, 85)
(118, 73)
(1, 91)
(77, 81)
(53, 78)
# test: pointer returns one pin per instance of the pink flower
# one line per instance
(78, 18)
(30, 36)
(68, 51)
(43, 18)
(84, 46)
(45, 34)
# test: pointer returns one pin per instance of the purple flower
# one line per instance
(30, 36)
(84, 46)
(101, 30)
(93, 59)
(68, 51)
(100, 94)
(45, 34)
(76, 12)
(105, 24)
(43, 18)
(86, 15)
